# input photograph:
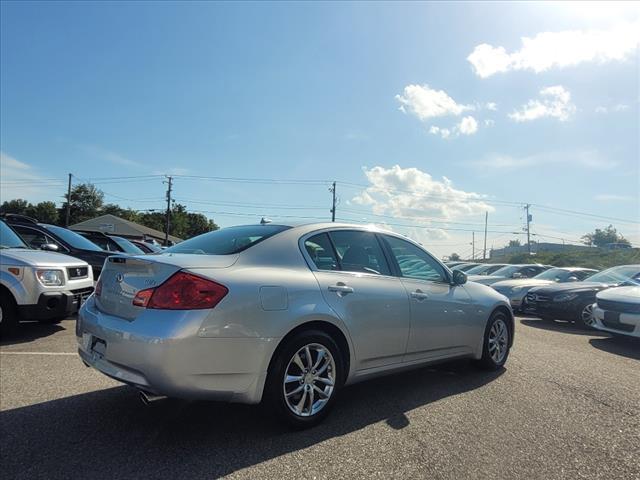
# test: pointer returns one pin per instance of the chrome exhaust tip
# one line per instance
(148, 398)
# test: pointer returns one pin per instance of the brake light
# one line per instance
(98, 289)
(182, 291)
(142, 297)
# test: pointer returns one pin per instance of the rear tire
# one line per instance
(300, 390)
(8, 313)
(497, 337)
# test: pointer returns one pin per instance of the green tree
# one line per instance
(199, 224)
(454, 257)
(18, 206)
(602, 237)
(86, 202)
(514, 243)
(45, 212)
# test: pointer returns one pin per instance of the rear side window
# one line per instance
(359, 252)
(321, 252)
(227, 241)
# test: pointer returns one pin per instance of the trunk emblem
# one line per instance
(119, 278)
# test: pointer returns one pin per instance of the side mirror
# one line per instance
(50, 247)
(459, 278)
(572, 279)
(516, 275)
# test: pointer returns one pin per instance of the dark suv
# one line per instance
(58, 239)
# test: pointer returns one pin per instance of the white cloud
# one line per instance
(620, 107)
(172, 171)
(554, 102)
(443, 132)
(582, 158)
(425, 102)
(20, 180)
(410, 192)
(613, 197)
(491, 106)
(489, 122)
(558, 50)
(109, 156)
(468, 126)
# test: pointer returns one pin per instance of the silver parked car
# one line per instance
(289, 314)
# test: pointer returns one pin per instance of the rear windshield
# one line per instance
(227, 240)
(127, 246)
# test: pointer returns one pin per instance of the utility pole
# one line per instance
(66, 222)
(473, 245)
(528, 229)
(333, 207)
(166, 234)
(484, 247)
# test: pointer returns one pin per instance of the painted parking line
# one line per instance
(39, 353)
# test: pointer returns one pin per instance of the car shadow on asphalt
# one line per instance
(28, 331)
(560, 326)
(624, 346)
(110, 433)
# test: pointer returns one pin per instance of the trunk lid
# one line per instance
(124, 276)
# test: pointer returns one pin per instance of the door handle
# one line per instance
(341, 289)
(419, 295)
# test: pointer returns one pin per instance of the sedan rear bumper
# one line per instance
(162, 353)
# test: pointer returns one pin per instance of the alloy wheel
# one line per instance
(587, 315)
(498, 340)
(309, 380)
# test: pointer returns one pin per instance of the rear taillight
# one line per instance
(98, 289)
(182, 291)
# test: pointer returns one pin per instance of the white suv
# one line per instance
(38, 285)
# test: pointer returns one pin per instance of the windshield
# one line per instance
(507, 271)
(72, 238)
(616, 274)
(483, 269)
(127, 246)
(9, 238)
(555, 274)
(227, 240)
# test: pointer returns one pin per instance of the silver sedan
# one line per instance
(288, 314)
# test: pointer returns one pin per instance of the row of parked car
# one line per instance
(607, 300)
(47, 271)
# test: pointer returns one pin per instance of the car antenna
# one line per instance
(265, 220)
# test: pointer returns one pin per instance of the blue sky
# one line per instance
(398, 99)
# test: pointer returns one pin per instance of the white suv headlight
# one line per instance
(50, 278)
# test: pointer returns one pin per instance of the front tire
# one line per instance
(8, 313)
(585, 317)
(305, 378)
(497, 338)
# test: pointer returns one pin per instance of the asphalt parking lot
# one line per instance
(566, 406)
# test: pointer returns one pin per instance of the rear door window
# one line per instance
(359, 251)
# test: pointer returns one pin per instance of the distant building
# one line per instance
(112, 225)
(535, 248)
